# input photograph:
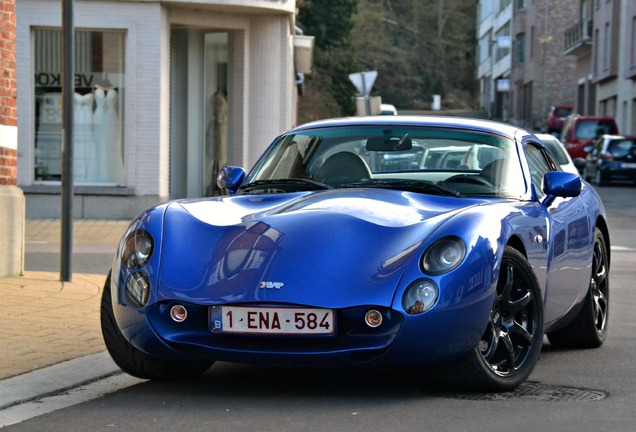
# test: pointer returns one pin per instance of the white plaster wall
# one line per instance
(262, 104)
(147, 86)
(270, 73)
(258, 6)
(262, 81)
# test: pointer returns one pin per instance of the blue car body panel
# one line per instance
(348, 250)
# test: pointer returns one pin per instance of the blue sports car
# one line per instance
(435, 243)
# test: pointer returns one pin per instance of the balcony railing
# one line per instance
(578, 37)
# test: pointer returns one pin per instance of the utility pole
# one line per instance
(68, 90)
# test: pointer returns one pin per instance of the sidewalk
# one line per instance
(44, 321)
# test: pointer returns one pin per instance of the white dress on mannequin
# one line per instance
(114, 155)
(83, 147)
(110, 163)
(100, 169)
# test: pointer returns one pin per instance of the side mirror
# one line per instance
(230, 178)
(561, 184)
(587, 148)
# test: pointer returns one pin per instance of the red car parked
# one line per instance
(556, 118)
(581, 131)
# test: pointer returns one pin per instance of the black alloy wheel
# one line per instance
(589, 328)
(509, 342)
(599, 287)
(510, 346)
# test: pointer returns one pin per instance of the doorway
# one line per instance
(198, 111)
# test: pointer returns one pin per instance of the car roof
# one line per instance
(578, 117)
(610, 136)
(487, 126)
(545, 136)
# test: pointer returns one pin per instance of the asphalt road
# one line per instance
(570, 390)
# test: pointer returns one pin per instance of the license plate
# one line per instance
(628, 165)
(272, 320)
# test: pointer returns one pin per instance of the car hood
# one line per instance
(334, 248)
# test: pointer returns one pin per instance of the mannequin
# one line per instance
(217, 142)
(99, 171)
(114, 155)
(84, 154)
(110, 164)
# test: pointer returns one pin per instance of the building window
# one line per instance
(503, 4)
(597, 52)
(607, 48)
(98, 115)
(633, 122)
(531, 43)
(632, 52)
(503, 42)
(522, 4)
(520, 49)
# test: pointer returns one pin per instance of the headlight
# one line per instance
(420, 296)
(138, 248)
(443, 256)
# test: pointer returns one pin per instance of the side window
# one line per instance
(539, 164)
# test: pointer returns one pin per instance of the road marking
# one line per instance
(622, 249)
(66, 398)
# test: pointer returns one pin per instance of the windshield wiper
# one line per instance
(283, 184)
(408, 185)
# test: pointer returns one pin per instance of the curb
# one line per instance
(55, 379)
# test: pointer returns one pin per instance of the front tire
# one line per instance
(589, 328)
(135, 362)
(510, 346)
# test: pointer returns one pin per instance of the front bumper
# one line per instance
(437, 335)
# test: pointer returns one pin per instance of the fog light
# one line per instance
(178, 313)
(137, 289)
(373, 318)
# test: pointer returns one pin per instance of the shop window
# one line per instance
(98, 122)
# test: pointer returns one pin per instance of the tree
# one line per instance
(328, 91)
(419, 48)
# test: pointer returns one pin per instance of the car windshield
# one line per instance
(622, 148)
(455, 162)
(562, 112)
(590, 129)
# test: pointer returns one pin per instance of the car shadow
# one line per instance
(255, 382)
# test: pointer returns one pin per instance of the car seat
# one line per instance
(344, 165)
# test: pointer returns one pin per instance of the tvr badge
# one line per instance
(271, 285)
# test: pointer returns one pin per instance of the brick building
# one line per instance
(576, 52)
(602, 40)
(11, 197)
(541, 75)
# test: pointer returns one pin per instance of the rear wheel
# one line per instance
(511, 343)
(136, 362)
(589, 328)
